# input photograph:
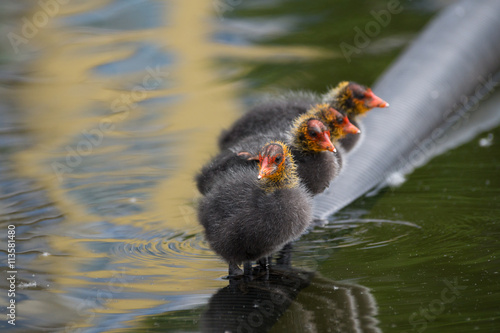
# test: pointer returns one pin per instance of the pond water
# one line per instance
(108, 109)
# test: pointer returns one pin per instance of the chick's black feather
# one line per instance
(244, 222)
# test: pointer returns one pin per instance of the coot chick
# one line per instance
(276, 112)
(353, 100)
(252, 211)
(349, 98)
(310, 145)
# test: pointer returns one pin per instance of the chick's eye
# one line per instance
(277, 159)
(312, 134)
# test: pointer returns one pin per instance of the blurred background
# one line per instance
(108, 109)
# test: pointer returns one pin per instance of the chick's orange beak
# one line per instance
(325, 142)
(266, 168)
(349, 128)
(374, 101)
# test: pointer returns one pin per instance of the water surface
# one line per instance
(109, 109)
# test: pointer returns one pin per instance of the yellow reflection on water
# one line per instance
(59, 104)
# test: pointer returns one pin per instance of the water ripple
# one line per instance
(172, 250)
(354, 222)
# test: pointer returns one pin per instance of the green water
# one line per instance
(109, 109)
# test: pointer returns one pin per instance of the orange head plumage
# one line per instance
(277, 168)
(310, 134)
(353, 99)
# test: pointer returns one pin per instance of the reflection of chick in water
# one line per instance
(290, 300)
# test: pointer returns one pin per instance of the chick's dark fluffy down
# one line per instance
(244, 223)
(262, 118)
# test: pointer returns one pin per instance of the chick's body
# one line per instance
(246, 218)
(244, 222)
